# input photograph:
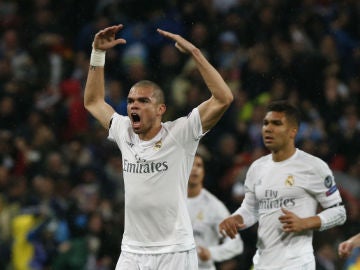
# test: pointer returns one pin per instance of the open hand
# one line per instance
(180, 43)
(105, 39)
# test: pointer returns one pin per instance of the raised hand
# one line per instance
(180, 43)
(105, 39)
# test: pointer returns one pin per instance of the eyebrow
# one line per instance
(276, 121)
(141, 99)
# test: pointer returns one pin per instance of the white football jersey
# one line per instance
(156, 174)
(298, 184)
(206, 213)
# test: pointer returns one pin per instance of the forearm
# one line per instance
(311, 223)
(332, 217)
(94, 96)
(355, 240)
(94, 88)
(227, 250)
(248, 210)
(217, 86)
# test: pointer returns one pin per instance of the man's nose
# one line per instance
(267, 129)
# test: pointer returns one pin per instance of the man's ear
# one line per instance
(161, 109)
(293, 132)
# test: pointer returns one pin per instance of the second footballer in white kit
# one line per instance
(206, 212)
(282, 193)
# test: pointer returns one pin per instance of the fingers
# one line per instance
(180, 48)
(230, 228)
(111, 30)
(344, 250)
(343, 253)
(285, 211)
(223, 232)
(172, 36)
(165, 33)
(105, 38)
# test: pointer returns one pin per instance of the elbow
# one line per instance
(332, 217)
(89, 100)
(87, 105)
(344, 217)
(228, 98)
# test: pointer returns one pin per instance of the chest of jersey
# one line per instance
(147, 158)
(277, 187)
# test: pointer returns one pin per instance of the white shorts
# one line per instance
(305, 266)
(185, 260)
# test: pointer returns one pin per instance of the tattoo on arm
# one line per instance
(92, 67)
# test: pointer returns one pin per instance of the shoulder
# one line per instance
(316, 164)
(260, 161)
(310, 159)
(190, 117)
(119, 119)
(119, 124)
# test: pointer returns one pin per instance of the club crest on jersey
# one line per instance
(289, 181)
(200, 216)
(328, 181)
(157, 145)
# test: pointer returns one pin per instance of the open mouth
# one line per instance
(135, 117)
(135, 120)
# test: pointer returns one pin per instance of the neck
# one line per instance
(194, 190)
(150, 134)
(282, 155)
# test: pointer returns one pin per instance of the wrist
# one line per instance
(97, 58)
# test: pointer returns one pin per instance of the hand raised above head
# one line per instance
(180, 43)
(105, 39)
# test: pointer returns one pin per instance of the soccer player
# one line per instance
(206, 213)
(157, 157)
(283, 191)
(346, 247)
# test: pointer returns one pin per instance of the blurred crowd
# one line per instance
(61, 189)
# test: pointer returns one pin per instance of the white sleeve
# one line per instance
(322, 185)
(228, 249)
(187, 131)
(324, 188)
(331, 217)
(248, 210)
(249, 207)
(118, 125)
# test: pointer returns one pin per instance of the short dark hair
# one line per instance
(291, 112)
(158, 92)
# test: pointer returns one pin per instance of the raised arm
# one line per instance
(212, 109)
(94, 96)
